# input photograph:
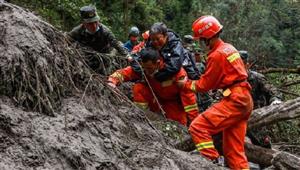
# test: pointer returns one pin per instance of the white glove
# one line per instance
(112, 85)
(276, 101)
(129, 57)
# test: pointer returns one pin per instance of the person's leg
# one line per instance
(225, 114)
(233, 145)
(174, 111)
(201, 130)
(143, 97)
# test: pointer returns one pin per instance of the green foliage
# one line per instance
(268, 29)
(64, 14)
(286, 131)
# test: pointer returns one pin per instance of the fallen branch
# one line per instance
(280, 70)
(274, 113)
(290, 93)
(290, 83)
(267, 157)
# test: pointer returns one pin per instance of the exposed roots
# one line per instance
(38, 63)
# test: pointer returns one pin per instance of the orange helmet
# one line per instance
(206, 27)
(145, 35)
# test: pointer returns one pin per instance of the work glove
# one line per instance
(112, 85)
(276, 101)
(129, 58)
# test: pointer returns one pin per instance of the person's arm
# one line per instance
(127, 45)
(74, 34)
(123, 75)
(188, 100)
(114, 42)
(173, 63)
(273, 94)
(211, 78)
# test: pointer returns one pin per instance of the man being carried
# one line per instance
(172, 52)
(178, 104)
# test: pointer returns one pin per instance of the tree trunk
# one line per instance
(267, 157)
(290, 83)
(125, 17)
(275, 113)
(280, 70)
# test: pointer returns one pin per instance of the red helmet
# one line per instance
(206, 27)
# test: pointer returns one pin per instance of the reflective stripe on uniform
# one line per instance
(226, 92)
(205, 145)
(189, 108)
(233, 57)
(118, 76)
(142, 105)
(193, 86)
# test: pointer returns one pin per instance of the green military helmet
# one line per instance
(134, 31)
(188, 39)
(244, 55)
(88, 14)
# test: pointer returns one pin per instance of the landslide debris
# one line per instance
(55, 114)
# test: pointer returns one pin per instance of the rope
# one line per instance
(151, 89)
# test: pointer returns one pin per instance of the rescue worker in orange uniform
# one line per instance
(224, 70)
(178, 104)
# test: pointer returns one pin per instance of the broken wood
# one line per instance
(280, 70)
(259, 155)
(274, 113)
(288, 92)
(287, 84)
(267, 157)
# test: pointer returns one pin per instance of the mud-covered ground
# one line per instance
(54, 115)
(86, 137)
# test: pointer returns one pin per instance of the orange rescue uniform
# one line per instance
(225, 70)
(138, 47)
(179, 104)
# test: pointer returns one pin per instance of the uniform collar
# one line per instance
(218, 43)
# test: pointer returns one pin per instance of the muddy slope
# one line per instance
(55, 115)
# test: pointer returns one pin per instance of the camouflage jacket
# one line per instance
(263, 93)
(102, 41)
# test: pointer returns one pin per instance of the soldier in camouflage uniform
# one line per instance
(94, 34)
(263, 94)
(204, 100)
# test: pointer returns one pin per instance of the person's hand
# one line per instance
(182, 82)
(129, 58)
(276, 101)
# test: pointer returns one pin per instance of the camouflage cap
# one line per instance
(89, 14)
(188, 39)
(244, 55)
